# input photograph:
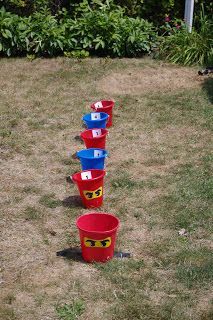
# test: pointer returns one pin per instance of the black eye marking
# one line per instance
(89, 194)
(92, 242)
(104, 242)
(97, 192)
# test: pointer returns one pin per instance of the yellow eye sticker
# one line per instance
(89, 195)
(90, 243)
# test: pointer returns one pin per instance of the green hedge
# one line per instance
(151, 10)
(100, 32)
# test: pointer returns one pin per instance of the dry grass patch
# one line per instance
(152, 78)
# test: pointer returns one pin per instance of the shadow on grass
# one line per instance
(208, 88)
(78, 138)
(71, 254)
(74, 253)
(72, 202)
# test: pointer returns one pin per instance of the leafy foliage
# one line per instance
(77, 54)
(190, 48)
(104, 28)
(107, 31)
(104, 31)
(151, 10)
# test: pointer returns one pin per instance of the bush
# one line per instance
(190, 48)
(38, 34)
(42, 34)
(9, 35)
(103, 31)
(28, 7)
(106, 31)
(151, 10)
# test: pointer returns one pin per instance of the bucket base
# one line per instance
(96, 260)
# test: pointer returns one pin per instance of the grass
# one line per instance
(31, 213)
(71, 311)
(195, 267)
(125, 182)
(49, 201)
(192, 185)
(158, 181)
(7, 313)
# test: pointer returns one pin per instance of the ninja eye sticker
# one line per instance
(89, 195)
(91, 243)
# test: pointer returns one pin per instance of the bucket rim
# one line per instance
(102, 174)
(98, 214)
(103, 100)
(105, 117)
(90, 138)
(105, 153)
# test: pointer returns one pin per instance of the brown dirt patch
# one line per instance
(162, 78)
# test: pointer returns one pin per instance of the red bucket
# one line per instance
(90, 186)
(94, 138)
(97, 234)
(104, 106)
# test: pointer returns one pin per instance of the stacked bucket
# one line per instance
(97, 230)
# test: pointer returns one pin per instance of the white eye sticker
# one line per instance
(96, 133)
(86, 175)
(95, 116)
(98, 105)
(98, 153)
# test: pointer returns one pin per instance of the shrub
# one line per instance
(103, 31)
(28, 7)
(9, 36)
(107, 31)
(42, 34)
(151, 10)
(190, 48)
(38, 34)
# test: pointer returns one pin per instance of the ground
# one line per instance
(158, 182)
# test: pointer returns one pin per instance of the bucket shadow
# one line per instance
(71, 254)
(75, 254)
(72, 202)
(78, 138)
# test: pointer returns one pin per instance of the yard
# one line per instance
(158, 182)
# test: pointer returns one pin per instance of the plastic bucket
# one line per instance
(90, 186)
(104, 106)
(94, 138)
(95, 120)
(92, 158)
(97, 235)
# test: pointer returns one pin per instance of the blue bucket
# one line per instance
(92, 158)
(95, 120)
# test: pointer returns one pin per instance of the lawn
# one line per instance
(158, 182)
